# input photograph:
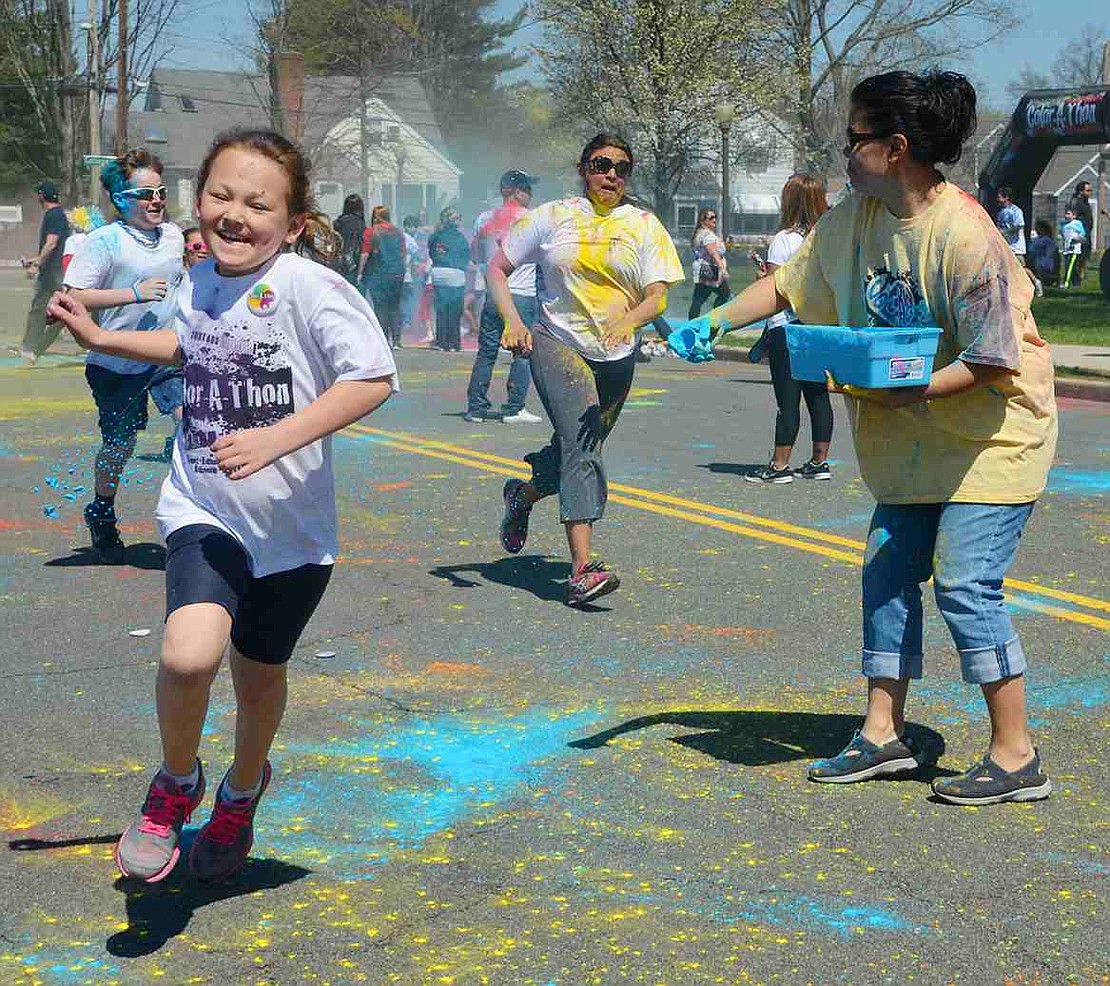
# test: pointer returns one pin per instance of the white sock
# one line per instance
(228, 793)
(189, 781)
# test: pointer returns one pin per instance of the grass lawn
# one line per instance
(1079, 316)
(1076, 316)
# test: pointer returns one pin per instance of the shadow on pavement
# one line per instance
(759, 738)
(733, 468)
(34, 845)
(543, 578)
(160, 911)
(148, 556)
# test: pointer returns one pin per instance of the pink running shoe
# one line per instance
(514, 525)
(149, 849)
(593, 580)
(224, 843)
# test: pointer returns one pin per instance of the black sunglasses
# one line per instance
(146, 194)
(855, 139)
(602, 165)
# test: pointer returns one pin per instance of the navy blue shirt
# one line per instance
(53, 221)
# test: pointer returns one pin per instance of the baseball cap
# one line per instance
(515, 178)
(48, 190)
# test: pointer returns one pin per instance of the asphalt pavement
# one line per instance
(485, 786)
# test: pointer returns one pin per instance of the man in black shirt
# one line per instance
(47, 266)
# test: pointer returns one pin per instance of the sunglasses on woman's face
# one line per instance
(146, 194)
(197, 246)
(602, 165)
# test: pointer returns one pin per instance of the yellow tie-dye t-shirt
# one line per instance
(950, 267)
(595, 267)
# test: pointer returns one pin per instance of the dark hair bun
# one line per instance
(935, 112)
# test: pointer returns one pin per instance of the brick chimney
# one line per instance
(289, 72)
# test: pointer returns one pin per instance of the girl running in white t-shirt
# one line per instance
(278, 353)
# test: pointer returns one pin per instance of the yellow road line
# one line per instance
(677, 501)
(653, 502)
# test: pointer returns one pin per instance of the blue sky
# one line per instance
(1047, 25)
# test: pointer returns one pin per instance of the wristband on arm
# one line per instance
(135, 291)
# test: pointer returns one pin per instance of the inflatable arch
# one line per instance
(1044, 120)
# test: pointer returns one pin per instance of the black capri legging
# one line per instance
(789, 392)
(702, 292)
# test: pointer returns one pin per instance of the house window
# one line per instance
(155, 133)
(431, 198)
(186, 193)
(187, 104)
(329, 197)
(687, 215)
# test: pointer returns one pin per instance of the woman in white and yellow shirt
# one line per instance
(606, 265)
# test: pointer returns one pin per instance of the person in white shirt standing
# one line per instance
(489, 231)
(279, 353)
(1011, 222)
(129, 270)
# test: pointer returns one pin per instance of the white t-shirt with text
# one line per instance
(116, 256)
(256, 349)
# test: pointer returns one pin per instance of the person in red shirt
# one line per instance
(382, 271)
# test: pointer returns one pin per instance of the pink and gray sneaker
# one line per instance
(149, 849)
(514, 524)
(224, 843)
(593, 580)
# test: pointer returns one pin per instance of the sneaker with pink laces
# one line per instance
(223, 844)
(149, 849)
(593, 580)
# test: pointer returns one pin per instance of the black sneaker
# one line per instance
(514, 523)
(988, 784)
(814, 470)
(769, 474)
(106, 542)
(861, 760)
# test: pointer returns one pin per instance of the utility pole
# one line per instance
(94, 99)
(122, 97)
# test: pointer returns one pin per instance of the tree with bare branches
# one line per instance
(653, 70)
(44, 117)
(831, 44)
(1078, 63)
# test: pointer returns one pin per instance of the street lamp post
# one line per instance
(93, 71)
(725, 113)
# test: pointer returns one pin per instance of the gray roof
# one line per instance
(186, 108)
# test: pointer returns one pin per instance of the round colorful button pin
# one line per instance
(262, 299)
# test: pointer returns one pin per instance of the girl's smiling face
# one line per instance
(243, 210)
(196, 249)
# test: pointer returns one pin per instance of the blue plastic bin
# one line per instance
(863, 357)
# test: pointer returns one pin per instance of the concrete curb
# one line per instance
(1076, 388)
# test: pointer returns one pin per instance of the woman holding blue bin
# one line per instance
(957, 460)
